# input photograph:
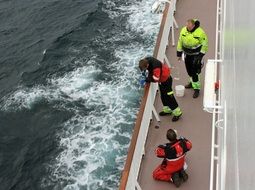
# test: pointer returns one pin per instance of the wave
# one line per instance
(103, 80)
(29, 28)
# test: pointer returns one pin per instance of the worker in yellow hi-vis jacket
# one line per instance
(193, 42)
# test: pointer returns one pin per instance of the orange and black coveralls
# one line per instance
(174, 158)
(159, 72)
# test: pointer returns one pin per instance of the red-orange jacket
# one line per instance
(158, 72)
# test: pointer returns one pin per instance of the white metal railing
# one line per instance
(169, 26)
(214, 105)
(170, 23)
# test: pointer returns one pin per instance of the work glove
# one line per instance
(198, 58)
(143, 79)
(142, 82)
(179, 55)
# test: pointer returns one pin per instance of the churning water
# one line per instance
(70, 90)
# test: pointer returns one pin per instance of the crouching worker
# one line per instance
(160, 73)
(172, 167)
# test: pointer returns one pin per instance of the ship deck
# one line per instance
(195, 124)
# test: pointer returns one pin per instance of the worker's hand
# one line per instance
(142, 82)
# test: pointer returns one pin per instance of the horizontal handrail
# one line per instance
(135, 152)
(214, 103)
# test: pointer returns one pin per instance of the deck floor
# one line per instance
(195, 124)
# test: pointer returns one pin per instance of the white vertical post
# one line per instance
(175, 23)
(167, 61)
(212, 152)
(155, 113)
(172, 31)
(138, 187)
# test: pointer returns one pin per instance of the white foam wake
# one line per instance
(70, 87)
(95, 144)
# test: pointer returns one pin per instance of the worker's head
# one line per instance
(171, 135)
(190, 24)
(143, 64)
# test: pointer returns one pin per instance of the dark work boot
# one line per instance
(176, 179)
(188, 85)
(196, 93)
(177, 114)
(166, 111)
(183, 175)
(162, 113)
(176, 118)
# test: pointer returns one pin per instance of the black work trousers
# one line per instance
(167, 95)
(193, 67)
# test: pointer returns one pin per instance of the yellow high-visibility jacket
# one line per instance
(192, 43)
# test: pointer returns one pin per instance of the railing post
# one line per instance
(138, 187)
(167, 61)
(175, 23)
(155, 113)
(172, 30)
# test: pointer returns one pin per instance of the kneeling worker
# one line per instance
(160, 73)
(172, 167)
